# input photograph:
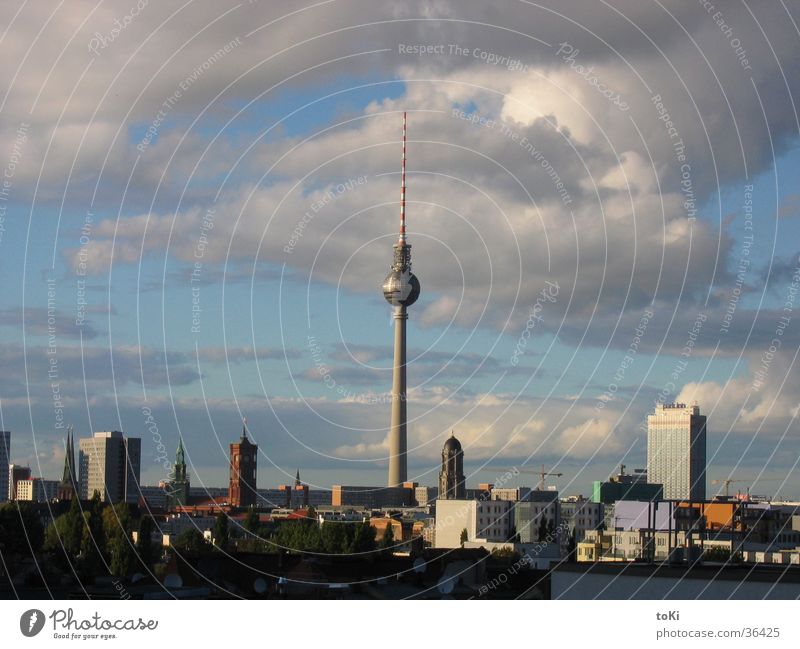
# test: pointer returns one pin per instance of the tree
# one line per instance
(144, 542)
(21, 530)
(119, 545)
(74, 528)
(387, 542)
(464, 537)
(191, 541)
(252, 521)
(93, 540)
(363, 538)
(543, 530)
(571, 545)
(221, 531)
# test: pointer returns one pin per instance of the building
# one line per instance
(426, 495)
(483, 520)
(15, 474)
(373, 497)
(37, 490)
(676, 451)
(514, 494)
(5, 458)
(626, 486)
(109, 463)
(400, 289)
(451, 476)
(296, 495)
(242, 487)
(537, 519)
(178, 486)
(69, 479)
(580, 515)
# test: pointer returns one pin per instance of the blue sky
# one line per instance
(488, 228)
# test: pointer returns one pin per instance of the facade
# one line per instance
(242, 490)
(579, 516)
(5, 455)
(514, 494)
(37, 490)
(537, 519)
(676, 451)
(484, 520)
(15, 474)
(109, 463)
(178, 487)
(372, 497)
(426, 495)
(451, 475)
(69, 479)
(626, 486)
(400, 289)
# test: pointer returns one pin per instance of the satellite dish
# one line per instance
(446, 585)
(419, 565)
(173, 581)
(260, 586)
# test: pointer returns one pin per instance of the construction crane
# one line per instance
(542, 473)
(728, 481)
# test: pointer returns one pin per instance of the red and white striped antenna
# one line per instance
(403, 188)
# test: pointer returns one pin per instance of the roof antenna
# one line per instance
(403, 188)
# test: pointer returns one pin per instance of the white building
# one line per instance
(37, 490)
(109, 463)
(5, 453)
(676, 451)
(538, 518)
(510, 493)
(484, 520)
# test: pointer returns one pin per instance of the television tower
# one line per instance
(401, 290)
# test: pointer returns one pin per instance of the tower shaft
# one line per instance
(398, 471)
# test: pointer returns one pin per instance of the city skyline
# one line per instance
(635, 253)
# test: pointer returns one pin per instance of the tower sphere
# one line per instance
(401, 288)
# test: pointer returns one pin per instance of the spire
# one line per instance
(244, 428)
(179, 454)
(297, 479)
(402, 239)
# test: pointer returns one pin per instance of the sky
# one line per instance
(198, 203)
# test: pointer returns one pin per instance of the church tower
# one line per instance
(242, 487)
(178, 494)
(451, 477)
(67, 487)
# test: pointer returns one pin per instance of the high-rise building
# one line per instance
(401, 289)
(69, 480)
(5, 454)
(178, 487)
(676, 451)
(242, 487)
(109, 463)
(451, 476)
(15, 474)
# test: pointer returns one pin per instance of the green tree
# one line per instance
(117, 526)
(251, 521)
(387, 541)
(93, 540)
(144, 542)
(363, 538)
(21, 530)
(191, 542)
(221, 531)
(464, 537)
(542, 530)
(74, 528)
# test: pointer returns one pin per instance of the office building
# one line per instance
(626, 486)
(109, 463)
(676, 451)
(15, 474)
(5, 455)
(579, 516)
(36, 490)
(537, 519)
(373, 497)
